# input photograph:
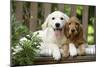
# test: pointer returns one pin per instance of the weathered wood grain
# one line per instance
(50, 60)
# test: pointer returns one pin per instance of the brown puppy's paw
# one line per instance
(65, 50)
(81, 50)
(81, 53)
(65, 54)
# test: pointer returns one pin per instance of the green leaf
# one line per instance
(90, 29)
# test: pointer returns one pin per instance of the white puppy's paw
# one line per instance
(72, 50)
(45, 52)
(56, 55)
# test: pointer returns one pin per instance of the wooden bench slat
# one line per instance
(50, 60)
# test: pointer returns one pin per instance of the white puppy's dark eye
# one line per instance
(61, 18)
(53, 18)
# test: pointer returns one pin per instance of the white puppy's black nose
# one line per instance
(57, 24)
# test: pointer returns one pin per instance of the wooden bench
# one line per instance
(50, 60)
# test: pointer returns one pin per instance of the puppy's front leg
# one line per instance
(56, 53)
(72, 49)
(64, 50)
(81, 49)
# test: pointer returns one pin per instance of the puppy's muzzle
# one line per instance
(72, 30)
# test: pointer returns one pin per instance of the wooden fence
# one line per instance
(33, 20)
(47, 9)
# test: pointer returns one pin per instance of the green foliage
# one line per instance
(28, 47)
(28, 53)
(90, 37)
(18, 30)
(79, 10)
(67, 9)
(90, 29)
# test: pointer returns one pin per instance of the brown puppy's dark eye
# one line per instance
(61, 18)
(76, 23)
(69, 24)
(53, 18)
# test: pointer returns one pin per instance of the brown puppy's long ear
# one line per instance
(66, 30)
(81, 34)
(80, 30)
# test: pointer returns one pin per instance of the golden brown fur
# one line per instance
(65, 49)
(74, 32)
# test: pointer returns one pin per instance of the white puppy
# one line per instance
(52, 34)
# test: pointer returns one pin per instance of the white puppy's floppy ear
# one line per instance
(45, 24)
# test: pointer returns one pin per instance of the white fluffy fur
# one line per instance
(50, 45)
(72, 50)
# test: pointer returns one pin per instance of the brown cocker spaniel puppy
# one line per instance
(74, 33)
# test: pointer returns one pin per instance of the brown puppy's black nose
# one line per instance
(72, 30)
(57, 25)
